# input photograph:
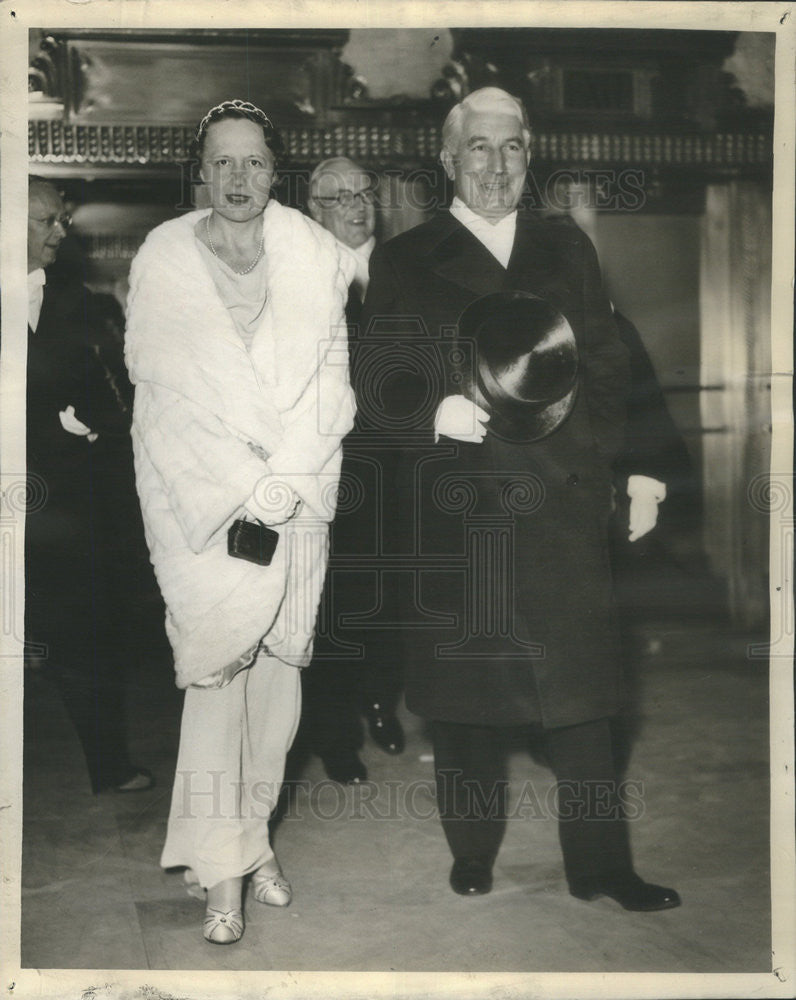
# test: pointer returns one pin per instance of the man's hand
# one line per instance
(70, 423)
(645, 494)
(458, 417)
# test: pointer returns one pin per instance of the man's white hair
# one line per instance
(486, 99)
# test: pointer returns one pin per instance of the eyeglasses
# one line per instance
(346, 198)
(65, 221)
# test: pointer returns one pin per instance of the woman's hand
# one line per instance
(273, 501)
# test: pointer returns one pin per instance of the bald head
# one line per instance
(342, 200)
(47, 223)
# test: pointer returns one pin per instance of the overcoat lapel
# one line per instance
(532, 254)
(57, 303)
(460, 257)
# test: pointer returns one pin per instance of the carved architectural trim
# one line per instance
(375, 144)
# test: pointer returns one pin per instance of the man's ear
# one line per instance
(446, 159)
(315, 209)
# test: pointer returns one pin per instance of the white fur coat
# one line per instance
(216, 427)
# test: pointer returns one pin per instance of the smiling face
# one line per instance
(45, 230)
(352, 224)
(238, 168)
(489, 164)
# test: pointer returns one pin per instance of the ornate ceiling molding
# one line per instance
(133, 145)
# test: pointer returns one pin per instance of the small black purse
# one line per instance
(252, 541)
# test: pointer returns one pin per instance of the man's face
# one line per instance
(352, 223)
(47, 222)
(488, 168)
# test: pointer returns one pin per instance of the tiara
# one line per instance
(247, 106)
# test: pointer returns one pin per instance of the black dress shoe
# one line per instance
(629, 890)
(471, 876)
(345, 766)
(386, 730)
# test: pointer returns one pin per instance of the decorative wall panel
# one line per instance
(113, 82)
(377, 144)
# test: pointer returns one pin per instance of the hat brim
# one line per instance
(511, 422)
(536, 335)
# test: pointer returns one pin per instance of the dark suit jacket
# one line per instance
(74, 515)
(508, 613)
(347, 628)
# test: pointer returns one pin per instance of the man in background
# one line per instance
(356, 668)
(77, 426)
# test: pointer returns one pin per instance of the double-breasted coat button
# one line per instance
(573, 479)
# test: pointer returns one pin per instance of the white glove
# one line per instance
(70, 423)
(273, 501)
(645, 494)
(458, 417)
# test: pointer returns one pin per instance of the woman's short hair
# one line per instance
(238, 110)
(485, 99)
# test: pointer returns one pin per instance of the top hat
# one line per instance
(524, 364)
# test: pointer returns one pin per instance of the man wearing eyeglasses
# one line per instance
(355, 670)
(77, 429)
(343, 200)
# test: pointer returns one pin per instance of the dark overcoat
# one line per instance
(81, 500)
(501, 546)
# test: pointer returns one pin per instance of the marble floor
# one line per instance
(369, 864)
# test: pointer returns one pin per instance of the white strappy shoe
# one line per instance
(271, 887)
(222, 926)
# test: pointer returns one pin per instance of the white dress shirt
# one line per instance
(36, 282)
(497, 237)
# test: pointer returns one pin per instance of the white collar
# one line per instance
(498, 237)
(36, 278)
(469, 218)
(365, 250)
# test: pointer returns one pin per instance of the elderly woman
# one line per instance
(236, 344)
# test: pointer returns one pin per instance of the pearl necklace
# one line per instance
(216, 253)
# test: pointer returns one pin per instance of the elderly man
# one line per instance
(343, 200)
(508, 616)
(77, 431)
(355, 669)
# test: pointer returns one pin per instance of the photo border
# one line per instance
(15, 20)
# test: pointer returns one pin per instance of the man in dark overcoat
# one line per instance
(355, 668)
(79, 464)
(507, 606)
